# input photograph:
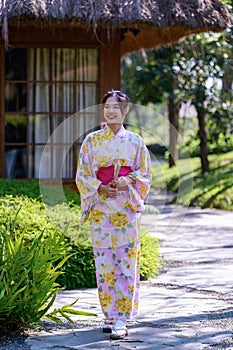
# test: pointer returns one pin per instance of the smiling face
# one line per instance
(113, 113)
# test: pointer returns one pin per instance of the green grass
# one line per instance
(213, 190)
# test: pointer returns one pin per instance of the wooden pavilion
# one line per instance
(59, 57)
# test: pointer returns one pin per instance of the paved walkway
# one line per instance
(189, 306)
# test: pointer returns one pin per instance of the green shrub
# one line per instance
(18, 187)
(32, 189)
(36, 215)
(150, 258)
(67, 219)
(28, 272)
(79, 269)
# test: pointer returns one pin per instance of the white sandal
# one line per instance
(119, 331)
(107, 326)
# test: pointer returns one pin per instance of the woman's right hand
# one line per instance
(108, 189)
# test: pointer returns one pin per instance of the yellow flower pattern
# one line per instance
(115, 241)
(118, 219)
(124, 305)
(97, 140)
(108, 134)
(104, 161)
(132, 253)
(143, 191)
(143, 163)
(98, 243)
(109, 278)
(82, 189)
(130, 288)
(103, 197)
(86, 170)
(84, 148)
(124, 162)
(97, 215)
(130, 206)
(105, 299)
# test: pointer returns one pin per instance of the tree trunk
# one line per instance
(138, 119)
(226, 78)
(173, 115)
(203, 140)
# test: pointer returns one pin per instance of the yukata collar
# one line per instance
(119, 133)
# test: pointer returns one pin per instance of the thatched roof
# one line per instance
(144, 23)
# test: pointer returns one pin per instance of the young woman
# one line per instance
(113, 178)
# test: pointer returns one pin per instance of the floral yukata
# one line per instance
(115, 222)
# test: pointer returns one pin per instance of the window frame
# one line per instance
(51, 113)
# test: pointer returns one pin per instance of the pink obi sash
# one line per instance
(106, 174)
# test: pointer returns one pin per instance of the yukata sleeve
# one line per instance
(86, 179)
(141, 178)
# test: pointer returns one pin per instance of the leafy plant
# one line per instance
(150, 258)
(30, 264)
(58, 314)
(28, 272)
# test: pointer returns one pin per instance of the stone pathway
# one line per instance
(189, 306)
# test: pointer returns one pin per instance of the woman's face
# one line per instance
(112, 111)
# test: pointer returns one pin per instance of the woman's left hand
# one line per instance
(123, 181)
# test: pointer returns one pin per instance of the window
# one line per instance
(43, 89)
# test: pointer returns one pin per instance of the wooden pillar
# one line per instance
(2, 109)
(110, 61)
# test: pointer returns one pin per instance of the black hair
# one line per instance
(120, 97)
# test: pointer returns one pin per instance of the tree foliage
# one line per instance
(198, 69)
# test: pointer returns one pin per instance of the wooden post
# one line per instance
(110, 62)
(2, 109)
